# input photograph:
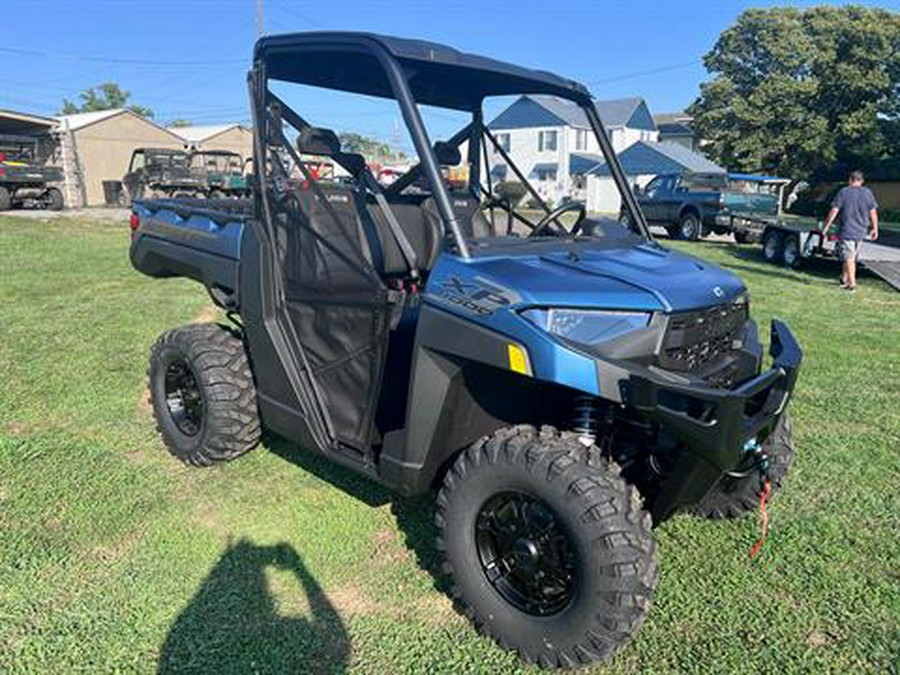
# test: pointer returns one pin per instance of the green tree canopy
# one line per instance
(372, 147)
(796, 91)
(106, 96)
(180, 124)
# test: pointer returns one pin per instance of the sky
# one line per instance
(187, 59)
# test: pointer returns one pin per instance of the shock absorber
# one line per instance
(586, 419)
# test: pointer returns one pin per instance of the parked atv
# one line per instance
(161, 172)
(24, 182)
(560, 391)
(222, 173)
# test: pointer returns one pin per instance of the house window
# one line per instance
(503, 142)
(546, 174)
(581, 139)
(546, 140)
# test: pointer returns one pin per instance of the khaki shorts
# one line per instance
(848, 249)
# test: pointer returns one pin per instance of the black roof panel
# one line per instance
(438, 75)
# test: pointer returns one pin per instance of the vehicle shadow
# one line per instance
(415, 515)
(232, 624)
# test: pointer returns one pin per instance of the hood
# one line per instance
(641, 277)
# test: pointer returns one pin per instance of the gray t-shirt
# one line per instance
(854, 203)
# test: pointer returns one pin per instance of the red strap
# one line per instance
(763, 519)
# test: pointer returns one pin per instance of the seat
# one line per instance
(424, 235)
(467, 210)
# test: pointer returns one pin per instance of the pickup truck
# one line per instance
(690, 206)
(23, 182)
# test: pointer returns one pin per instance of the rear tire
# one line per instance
(54, 200)
(733, 497)
(690, 228)
(5, 199)
(550, 552)
(203, 395)
(217, 194)
(790, 252)
(741, 237)
(771, 246)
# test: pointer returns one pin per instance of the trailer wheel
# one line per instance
(771, 246)
(203, 395)
(733, 497)
(690, 227)
(549, 549)
(5, 199)
(53, 200)
(790, 254)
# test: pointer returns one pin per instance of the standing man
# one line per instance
(858, 210)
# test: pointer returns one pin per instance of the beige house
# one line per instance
(232, 137)
(98, 147)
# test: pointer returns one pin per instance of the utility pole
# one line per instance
(259, 17)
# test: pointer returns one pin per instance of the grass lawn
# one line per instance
(116, 558)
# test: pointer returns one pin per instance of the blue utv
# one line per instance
(561, 382)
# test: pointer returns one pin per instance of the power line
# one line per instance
(643, 73)
(108, 59)
(298, 15)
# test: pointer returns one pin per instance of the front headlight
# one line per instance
(586, 326)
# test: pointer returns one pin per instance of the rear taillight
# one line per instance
(134, 222)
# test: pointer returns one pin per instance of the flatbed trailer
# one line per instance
(791, 241)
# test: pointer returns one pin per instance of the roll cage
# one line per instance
(411, 72)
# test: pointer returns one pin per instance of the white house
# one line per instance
(550, 141)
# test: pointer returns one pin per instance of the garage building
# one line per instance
(101, 144)
(231, 137)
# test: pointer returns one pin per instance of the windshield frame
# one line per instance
(399, 79)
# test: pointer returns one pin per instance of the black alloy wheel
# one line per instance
(526, 554)
(183, 398)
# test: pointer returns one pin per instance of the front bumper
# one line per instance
(715, 424)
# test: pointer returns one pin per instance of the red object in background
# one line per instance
(134, 222)
(832, 237)
(2, 156)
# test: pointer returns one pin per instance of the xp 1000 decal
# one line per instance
(473, 295)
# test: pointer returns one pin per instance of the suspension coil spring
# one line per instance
(586, 419)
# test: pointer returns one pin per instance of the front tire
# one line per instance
(203, 395)
(550, 552)
(733, 497)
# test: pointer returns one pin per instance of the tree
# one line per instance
(180, 124)
(798, 91)
(363, 145)
(106, 96)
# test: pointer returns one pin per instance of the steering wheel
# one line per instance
(544, 223)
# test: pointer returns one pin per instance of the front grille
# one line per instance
(696, 338)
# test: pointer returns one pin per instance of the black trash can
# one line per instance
(112, 192)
